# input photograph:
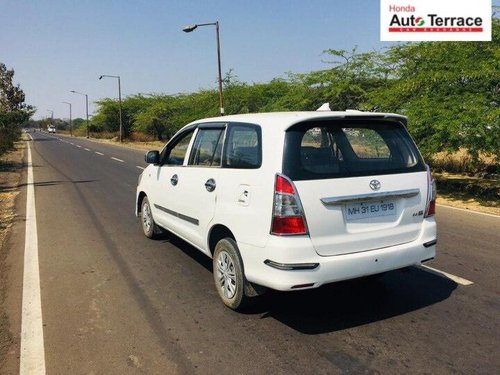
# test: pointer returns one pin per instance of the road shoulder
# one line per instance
(12, 208)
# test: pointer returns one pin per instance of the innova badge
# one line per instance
(375, 185)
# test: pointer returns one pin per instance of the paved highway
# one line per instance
(114, 302)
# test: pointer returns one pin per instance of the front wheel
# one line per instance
(228, 274)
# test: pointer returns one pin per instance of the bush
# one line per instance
(462, 162)
(10, 130)
(141, 137)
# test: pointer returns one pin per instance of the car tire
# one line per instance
(228, 273)
(149, 227)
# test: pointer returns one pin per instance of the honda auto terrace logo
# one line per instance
(375, 184)
(420, 20)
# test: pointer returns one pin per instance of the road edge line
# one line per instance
(457, 279)
(465, 210)
(32, 359)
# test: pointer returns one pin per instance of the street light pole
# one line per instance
(70, 122)
(119, 102)
(86, 107)
(188, 29)
(221, 98)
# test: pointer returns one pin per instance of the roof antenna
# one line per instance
(324, 107)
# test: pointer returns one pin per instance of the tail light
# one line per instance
(288, 214)
(431, 195)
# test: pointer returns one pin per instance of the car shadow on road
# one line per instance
(187, 249)
(354, 303)
(342, 305)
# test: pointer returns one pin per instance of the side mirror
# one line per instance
(152, 157)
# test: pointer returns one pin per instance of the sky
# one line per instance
(57, 46)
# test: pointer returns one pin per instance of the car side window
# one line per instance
(243, 147)
(207, 148)
(177, 151)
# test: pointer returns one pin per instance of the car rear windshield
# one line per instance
(348, 148)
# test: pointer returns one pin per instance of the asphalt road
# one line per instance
(115, 302)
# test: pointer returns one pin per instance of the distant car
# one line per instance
(292, 201)
(51, 129)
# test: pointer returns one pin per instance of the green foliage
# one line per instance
(78, 123)
(11, 97)
(107, 117)
(348, 83)
(450, 92)
(13, 111)
(156, 118)
(10, 128)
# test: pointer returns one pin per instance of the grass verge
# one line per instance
(469, 192)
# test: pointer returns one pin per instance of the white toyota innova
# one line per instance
(292, 201)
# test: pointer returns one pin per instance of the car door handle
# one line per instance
(174, 180)
(210, 185)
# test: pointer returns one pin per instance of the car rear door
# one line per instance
(362, 183)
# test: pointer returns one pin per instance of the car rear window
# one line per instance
(345, 148)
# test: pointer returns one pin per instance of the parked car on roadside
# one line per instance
(292, 201)
(51, 129)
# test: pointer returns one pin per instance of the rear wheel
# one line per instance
(149, 227)
(228, 274)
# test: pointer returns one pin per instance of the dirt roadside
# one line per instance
(11, 167)
(466, 204)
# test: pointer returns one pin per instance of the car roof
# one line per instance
(283, 120)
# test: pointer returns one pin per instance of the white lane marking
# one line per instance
(120, 160)
(98, 153)
(78, 146)
(457, 279)
(471, 211)
(86, 149)
(139, 167)
(32, 347)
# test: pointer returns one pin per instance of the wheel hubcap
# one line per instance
(226, 275)
(147, 220)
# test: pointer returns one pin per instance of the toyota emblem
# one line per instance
(375, 184)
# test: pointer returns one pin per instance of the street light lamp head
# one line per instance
(100, 77)
(188, 29)
(73, 91)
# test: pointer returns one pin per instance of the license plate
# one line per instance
(363, 210)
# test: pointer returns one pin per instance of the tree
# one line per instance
(13, 111)
(11, 97)
(347, 84)
(156, 119)
(449, 90)
(107, 117)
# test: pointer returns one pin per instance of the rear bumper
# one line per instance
(299, 250)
